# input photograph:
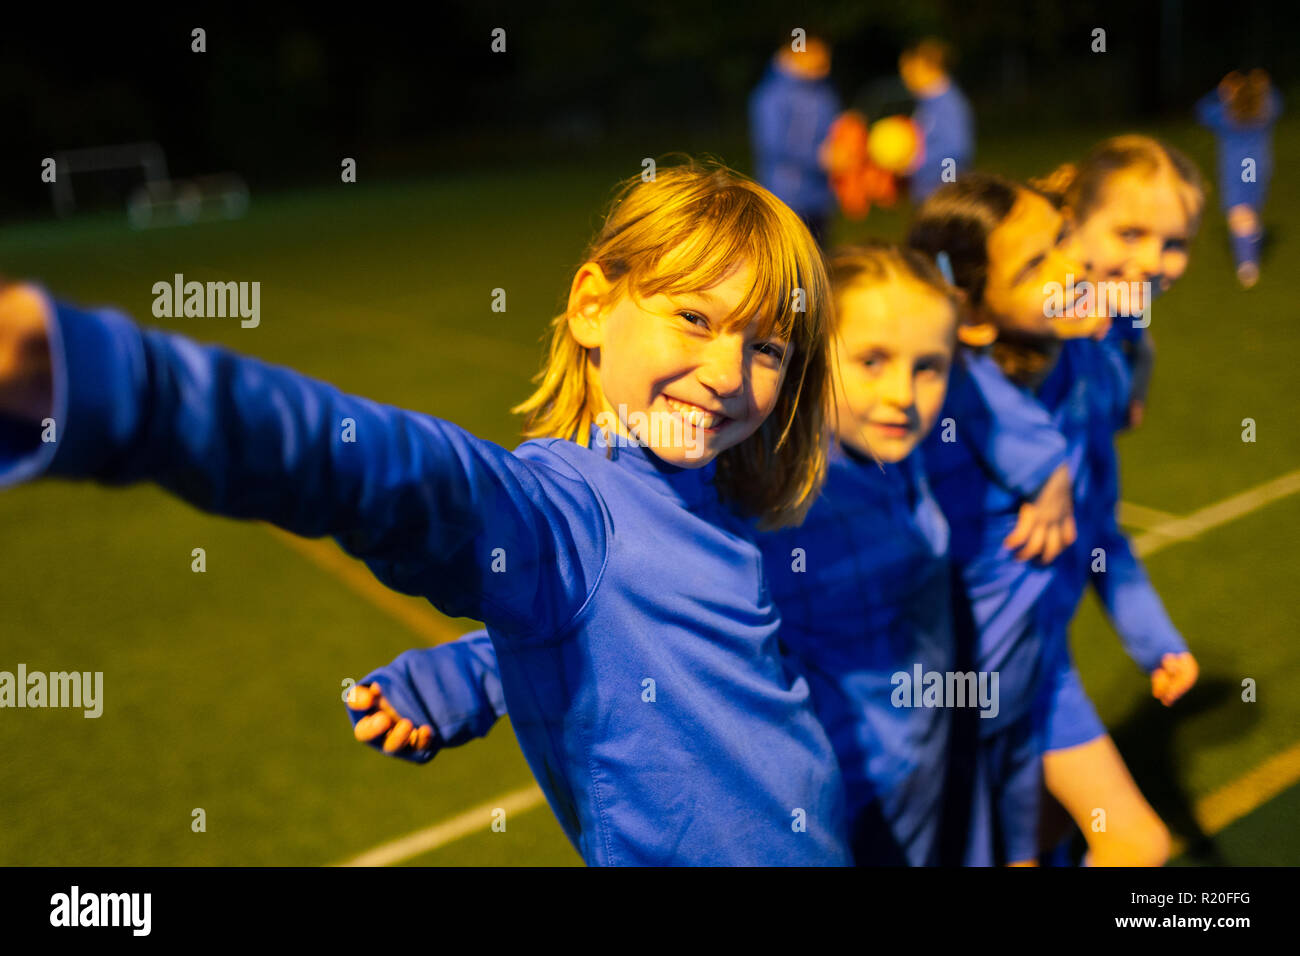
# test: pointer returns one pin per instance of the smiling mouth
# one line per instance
(893, 428)
(701, 418)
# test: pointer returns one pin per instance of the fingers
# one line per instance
(371, 726)
(1052, 544)
(1069, 531)
(1024, 525)
(1034, 546)
(1160, 685)
(1183, 671)
(399, 732)
(361, 697)
(1177, 674)
(399, 737)
(423, 737)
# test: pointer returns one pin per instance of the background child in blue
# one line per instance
(996, 454)
(596, 562)
(790, 116)
(862, 585)
(1241, 112)
(1135, 204)
(943, 115)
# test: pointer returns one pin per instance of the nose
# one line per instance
(722, 370)
(1148, 258)
(895, 386)
(1069, 265)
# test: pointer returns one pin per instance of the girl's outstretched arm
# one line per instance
(1140, 619)
(453, 688)
(431, 509)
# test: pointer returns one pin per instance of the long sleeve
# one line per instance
(431, 509)
(1132, 604)
(1209, 111)
(1009, 432)
(454, 688)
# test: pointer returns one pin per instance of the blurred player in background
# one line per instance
(943, 116)
(1241, 113)
(790, 116)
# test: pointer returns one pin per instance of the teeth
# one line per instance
(694, 414)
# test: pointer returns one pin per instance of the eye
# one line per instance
(694, 318)
(931, 367)
(1130, 235)
(1176, 245)
(775, 349)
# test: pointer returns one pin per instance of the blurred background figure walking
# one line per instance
(790, 116)
(943, 116)
(1241, 112)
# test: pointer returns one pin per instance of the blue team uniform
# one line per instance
(871, 600)
(595, 570)
(789, 119)
(1002, 448)
(1237, 141)
(863, 589)
(947, 127)
(1088, 392)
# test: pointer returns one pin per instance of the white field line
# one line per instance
(1211, 516)
(440, 834)
(1165, 532)
(1141, 517)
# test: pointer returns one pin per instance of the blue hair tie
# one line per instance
(945, 265)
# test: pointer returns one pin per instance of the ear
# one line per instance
(588, 297)
(977, 334)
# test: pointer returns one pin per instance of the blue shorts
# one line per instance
(1071, 718)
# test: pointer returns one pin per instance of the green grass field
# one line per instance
(222, 690)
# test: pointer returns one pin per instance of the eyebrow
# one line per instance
(1025, 269)
(708, 299)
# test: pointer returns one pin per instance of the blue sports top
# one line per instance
(599, 578)
(863, 587)
(947, 127)
(789, 119)
(1238, 142)
(1087, 393)
(993, 449)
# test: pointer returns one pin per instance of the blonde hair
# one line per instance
(1081, 187)
(686, 230)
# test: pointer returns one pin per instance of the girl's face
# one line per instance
(1138, 233)
(892, 352)
(1025, 257)
(673, 377)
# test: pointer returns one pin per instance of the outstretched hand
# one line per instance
(402, 734)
